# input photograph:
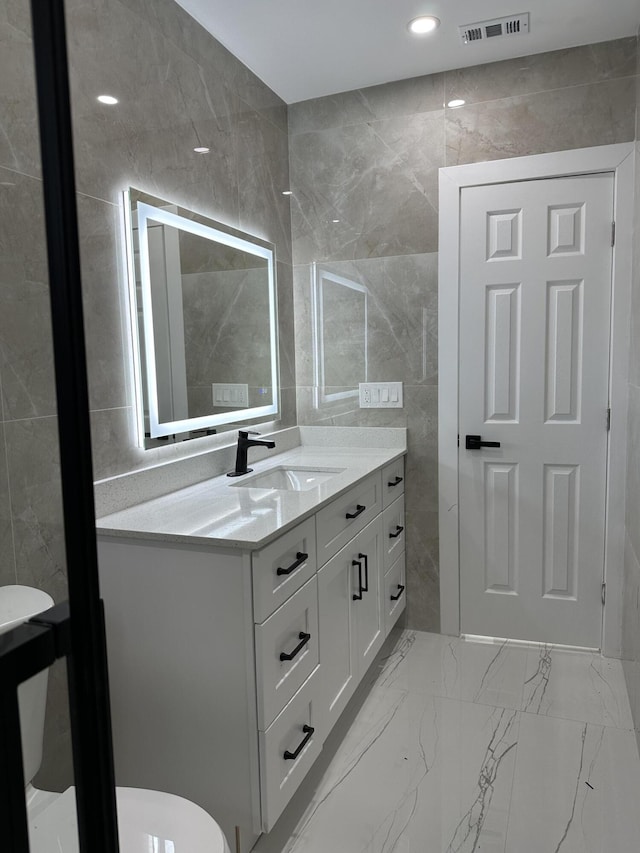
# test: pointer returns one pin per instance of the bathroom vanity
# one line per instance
(241, 616)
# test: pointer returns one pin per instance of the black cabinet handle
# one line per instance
(364, 557)
(357, 596)
(304, 639)
(475, 442)
(308, 730)
(359, 509)
(362, 587)
(300, 558)
(396, 482)
(395, 535)
(400, 591)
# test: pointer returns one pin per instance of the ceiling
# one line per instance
(308, 48)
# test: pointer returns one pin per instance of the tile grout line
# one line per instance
(537, 92)
(474, 701)
(443, 108)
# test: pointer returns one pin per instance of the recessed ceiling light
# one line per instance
(287, 192)
(456, 102)
(201, 149)
(423, 25)
(335, 220)
(107, 99)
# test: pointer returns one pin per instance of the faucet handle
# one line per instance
(247, 432)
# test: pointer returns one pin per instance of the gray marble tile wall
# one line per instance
(631, 589)
(364, 169)
(178, 88)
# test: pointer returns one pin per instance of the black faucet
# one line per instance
(244, 443)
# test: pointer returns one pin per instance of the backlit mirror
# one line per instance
(340, 335)
(203, 300)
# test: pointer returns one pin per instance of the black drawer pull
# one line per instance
(300, 558)
(304, 639)
(359, 509)
(400, 591)
(396, 482)
(308, 730)
(399, 530)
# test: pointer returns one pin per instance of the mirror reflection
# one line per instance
(340, 332)
(204, 298)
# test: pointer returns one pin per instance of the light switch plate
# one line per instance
(381, 395)
(230, 395)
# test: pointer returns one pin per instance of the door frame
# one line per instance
(618, 159)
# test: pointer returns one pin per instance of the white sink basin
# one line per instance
(284, 479)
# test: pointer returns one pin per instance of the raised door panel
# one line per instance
(337, 641)
(502, 353)
(368, 608)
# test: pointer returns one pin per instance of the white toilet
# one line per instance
(147, 820)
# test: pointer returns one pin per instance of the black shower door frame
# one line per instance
(73, 630)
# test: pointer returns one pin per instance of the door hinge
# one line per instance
(604, 594)
(613, 234)
(609, 419)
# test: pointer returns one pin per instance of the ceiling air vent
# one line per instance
(512, 25)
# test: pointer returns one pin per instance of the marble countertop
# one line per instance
(221, 512)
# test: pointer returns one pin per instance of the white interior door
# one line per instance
(535, 294)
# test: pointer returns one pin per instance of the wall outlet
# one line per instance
(381, 395)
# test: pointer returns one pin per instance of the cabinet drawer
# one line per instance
(394, 532)
(395, 594)
(280, 776)
(281, 567)
(292, 628)
(339, 522)
(392, 481)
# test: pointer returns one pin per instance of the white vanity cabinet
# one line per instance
(229, 666)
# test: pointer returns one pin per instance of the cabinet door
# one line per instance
(337, 641)
(368, 610)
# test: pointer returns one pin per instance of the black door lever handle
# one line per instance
(475, 442)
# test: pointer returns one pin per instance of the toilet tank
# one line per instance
(17, 605)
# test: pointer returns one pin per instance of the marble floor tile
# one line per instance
(466, 747)
(579, 686)
(576, 788)
(485, 673)
(415, 772)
